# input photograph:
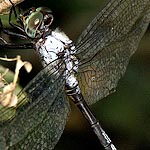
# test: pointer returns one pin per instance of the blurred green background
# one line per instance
(124, 115)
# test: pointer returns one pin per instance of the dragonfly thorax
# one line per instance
(58, 47)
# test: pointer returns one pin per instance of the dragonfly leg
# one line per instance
(5, 44)
(12, 9)
(79, 101)
(17, 46)
(8, 32)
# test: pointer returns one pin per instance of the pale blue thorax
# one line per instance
(53, 44)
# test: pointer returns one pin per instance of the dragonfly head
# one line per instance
(36, 21)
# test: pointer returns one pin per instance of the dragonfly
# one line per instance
(84, 71)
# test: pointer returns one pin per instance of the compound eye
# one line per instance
(47, 13)
(32, 24)
(35, 20)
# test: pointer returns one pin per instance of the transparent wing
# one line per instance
(105, 47)
(41, 114)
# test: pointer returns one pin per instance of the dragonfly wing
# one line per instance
(47, 133)
(105, 47)
(40, 115)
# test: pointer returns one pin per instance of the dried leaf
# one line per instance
(13, 101)
(8, 88)
(5, 5)
(27, 66)
(19, 64)
(8, 98)
(1, 84)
